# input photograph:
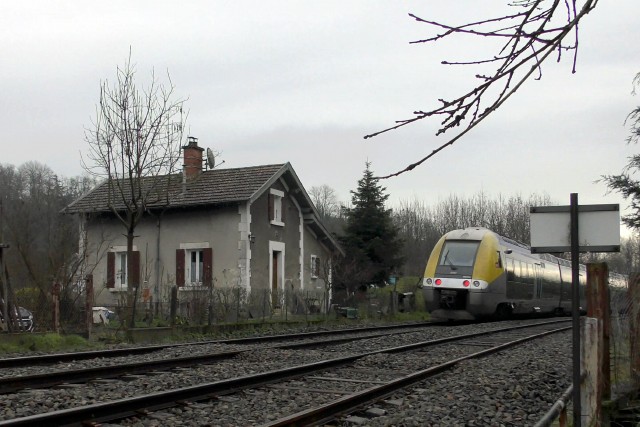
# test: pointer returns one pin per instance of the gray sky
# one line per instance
(303, 81)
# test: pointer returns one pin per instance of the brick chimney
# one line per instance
(192, 166)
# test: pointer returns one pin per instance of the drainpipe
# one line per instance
(3, 277)
(156, 289)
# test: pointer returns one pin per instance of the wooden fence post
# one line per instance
(88, 304)
(174, 306)
(598, 306)
(55, 295)
(596, 332)
(590, 387)
(634, 319)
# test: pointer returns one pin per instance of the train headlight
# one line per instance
(429, 281)
(476, 283)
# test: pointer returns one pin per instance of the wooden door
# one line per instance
(274, 280)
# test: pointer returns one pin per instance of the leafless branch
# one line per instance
(531, 35)
(135, 138)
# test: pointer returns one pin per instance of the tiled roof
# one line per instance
(217, 186)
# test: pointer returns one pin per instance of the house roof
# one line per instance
(210, 188)
(213, 187)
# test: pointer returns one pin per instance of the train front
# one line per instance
(460, 273)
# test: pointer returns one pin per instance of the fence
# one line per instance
(65, 310)
(610, 359)
(620, 336)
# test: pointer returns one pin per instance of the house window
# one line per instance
(315, 267)
(276, 207)
(121, 269)
(118, 269)
(196, 266)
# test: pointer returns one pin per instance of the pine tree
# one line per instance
(371, 240)
(626, 183)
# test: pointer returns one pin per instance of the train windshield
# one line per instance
(459, 253)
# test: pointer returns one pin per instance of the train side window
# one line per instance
(529, 274)
(510, 271)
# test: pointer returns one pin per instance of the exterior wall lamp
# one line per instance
(252, 238)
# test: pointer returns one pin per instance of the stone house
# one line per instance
(253, 227)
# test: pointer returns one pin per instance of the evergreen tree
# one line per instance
(626, 182)
(371, 239)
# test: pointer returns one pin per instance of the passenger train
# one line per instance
(475, 273)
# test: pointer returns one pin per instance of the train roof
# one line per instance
(478, 233)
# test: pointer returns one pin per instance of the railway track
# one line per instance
(353, 378)
(47, 359)
(363, 401)
(58, 376)
(125, 371)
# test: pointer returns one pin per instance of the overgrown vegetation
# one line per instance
(42, 244)
(47, 343)
(626, 182)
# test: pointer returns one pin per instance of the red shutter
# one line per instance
(180, 267)
(208, 266)
(135, 268)
(111, 269)
(270, 208)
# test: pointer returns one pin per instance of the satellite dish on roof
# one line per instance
(211, 158)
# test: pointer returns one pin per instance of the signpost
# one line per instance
(556, 229)
(3, 278)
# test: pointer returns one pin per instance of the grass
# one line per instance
(377, 309)
(47, 343)
(52, 342)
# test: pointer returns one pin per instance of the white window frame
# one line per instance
(314, 261)
(120, 270)
(120, 274)
(189, 248)
(199, 273)
(277, 206)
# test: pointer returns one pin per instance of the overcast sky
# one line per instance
(304, 81)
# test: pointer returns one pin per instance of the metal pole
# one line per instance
(3, 277)
(88, 304)
(575, 305)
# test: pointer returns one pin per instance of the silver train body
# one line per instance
(475, 273)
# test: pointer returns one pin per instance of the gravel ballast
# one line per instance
(509, 389)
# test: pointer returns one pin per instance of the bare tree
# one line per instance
(43, 245)
(417, 228)
(421, 226)
(537, 29)
(134, 143)
(330, 209)
(326, 201)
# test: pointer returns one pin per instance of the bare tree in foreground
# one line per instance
(538, 29)
(134, 144)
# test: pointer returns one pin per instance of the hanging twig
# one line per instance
(530, 37)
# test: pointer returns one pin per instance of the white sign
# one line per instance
(598, 228)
